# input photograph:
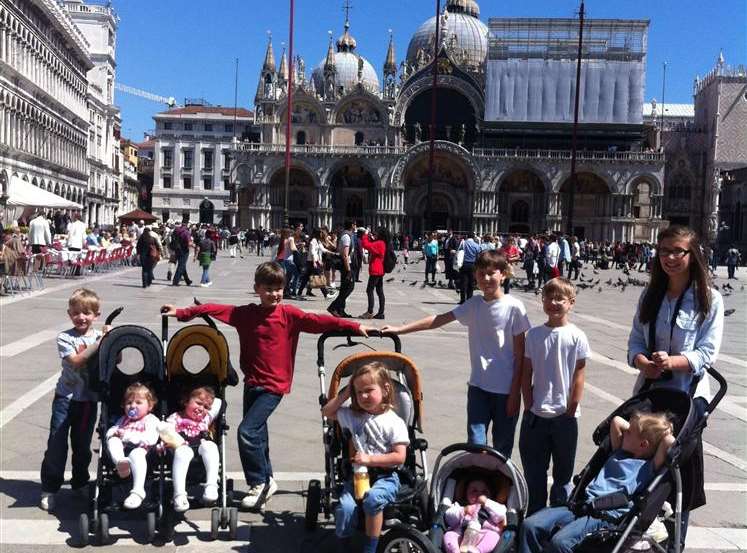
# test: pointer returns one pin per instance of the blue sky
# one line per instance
(187, 48)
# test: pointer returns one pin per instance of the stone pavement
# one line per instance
(29, 367)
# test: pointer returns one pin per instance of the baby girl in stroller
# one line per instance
(476, 527)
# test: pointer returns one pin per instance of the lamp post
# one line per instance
(574, 136)
(432, 127)
(286, 208)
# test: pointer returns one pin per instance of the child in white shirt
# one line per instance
(555, 356)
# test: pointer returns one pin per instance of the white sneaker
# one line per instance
(204, 285)
(258, 493)
(210, 494)
(181, 503)
(133, 501)
(657, 531)
(46, 503)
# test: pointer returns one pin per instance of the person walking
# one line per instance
(205, 252)
(181, 239)
(347, 284)
(286, 248)
(149, 254)
(732, 260)
(376, 245)
(467, 271)
(430, 252)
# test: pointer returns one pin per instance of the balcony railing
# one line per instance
(327, 149)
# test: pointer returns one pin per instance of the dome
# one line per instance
(465, 35)
(346, 64)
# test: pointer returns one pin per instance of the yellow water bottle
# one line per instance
(361, 482)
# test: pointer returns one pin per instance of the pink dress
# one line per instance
(490, 532)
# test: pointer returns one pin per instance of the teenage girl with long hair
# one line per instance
(676, 334)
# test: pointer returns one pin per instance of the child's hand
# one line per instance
(471, 510)
(482, 499)
(391, 329)
(364, 330)
(168, 310)
(105, 329)
(571, 410)
(361, 458)
(662, 360)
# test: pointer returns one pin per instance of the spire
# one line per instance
(721, 61)
(346, 43)
(283, 71)
(269, 65)
(390, 65)
(329, 63)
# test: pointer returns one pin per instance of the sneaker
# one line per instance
(133, 501)
(366, 315)
(259, 494)
(181, 503)
(210, 283)
(46, 503)
(657, 531)
(210, 494)
(204, 285)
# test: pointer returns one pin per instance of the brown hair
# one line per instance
(652, 427)
(200, 390)
(86, 300)
(269, 273)
(657, 288)
(559, 286)
(493, 260)
(379, 374)
(139, 389)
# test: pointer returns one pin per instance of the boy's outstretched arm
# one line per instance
(220, 312)
(427, 323)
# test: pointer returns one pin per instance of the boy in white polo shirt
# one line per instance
(555, 356)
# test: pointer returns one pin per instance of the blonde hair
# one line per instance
(139, 389)
(85, 300)
(559, 286)
(652, 427)
(377, 371)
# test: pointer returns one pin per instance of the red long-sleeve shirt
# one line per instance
(377, 249)
(268, 338)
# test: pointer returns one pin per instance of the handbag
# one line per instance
(458, 260)
(317, 281)
(154, 254)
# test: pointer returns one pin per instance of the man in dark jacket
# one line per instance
(181, 239)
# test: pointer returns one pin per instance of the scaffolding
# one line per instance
(545, 38)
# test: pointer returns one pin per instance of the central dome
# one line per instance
(466, 37)
(347, 65)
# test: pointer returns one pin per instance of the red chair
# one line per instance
(80, 264)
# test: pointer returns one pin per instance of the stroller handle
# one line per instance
(113, 315)
(722, 387)
(472, 448)
(349, 335)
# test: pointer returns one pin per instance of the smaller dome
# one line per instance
(346, 43)
(346, 65)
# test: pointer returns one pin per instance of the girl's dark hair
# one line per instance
(657, 288)
(383, 234)
(189, 393)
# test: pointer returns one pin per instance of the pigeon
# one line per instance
(599, 289)
(583, 276)
(403, 280)
(414, 283)
(390, 279)
(729, 312)
(609, 282)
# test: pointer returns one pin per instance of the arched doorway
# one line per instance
(301, 138)
(207, 212)
(451, 192)
(457, 123)
(521, 202)
(353, 191)
(591, 206)
(300, 196)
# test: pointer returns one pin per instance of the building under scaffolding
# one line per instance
(531, 70)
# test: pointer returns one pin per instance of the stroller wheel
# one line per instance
(313, 505)
(151, 525)
(214, 523)
(103, 529)
(233, 522)
(83, 528)
(403, 539)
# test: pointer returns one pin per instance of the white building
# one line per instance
(99, 26)
(192, 178)
(44, 59)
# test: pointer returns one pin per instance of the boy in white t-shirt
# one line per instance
(496, 324)
(555, 356)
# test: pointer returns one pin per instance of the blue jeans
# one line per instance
(291, 276)
(382, 493)
(181, 268)
(254, 442)
(78, 419)
(147, 264)
(536, 533)
(540, 439)
(205, 276)
(484, 408)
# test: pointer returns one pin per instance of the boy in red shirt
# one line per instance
(268, 337)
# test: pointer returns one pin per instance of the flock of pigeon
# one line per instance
(585, 283)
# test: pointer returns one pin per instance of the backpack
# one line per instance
(390, 259)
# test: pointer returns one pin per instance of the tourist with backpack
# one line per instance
(181, 239)
(378, 246)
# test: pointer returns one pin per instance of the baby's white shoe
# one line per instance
(210, 494)
(181, 503)
(133, 501)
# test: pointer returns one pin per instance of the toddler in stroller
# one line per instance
(639, 449)
(129, 440)
(476, 527)
(186, 431)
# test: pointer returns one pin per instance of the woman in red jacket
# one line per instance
(376, 244)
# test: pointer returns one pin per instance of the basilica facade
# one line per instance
(360, 146)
